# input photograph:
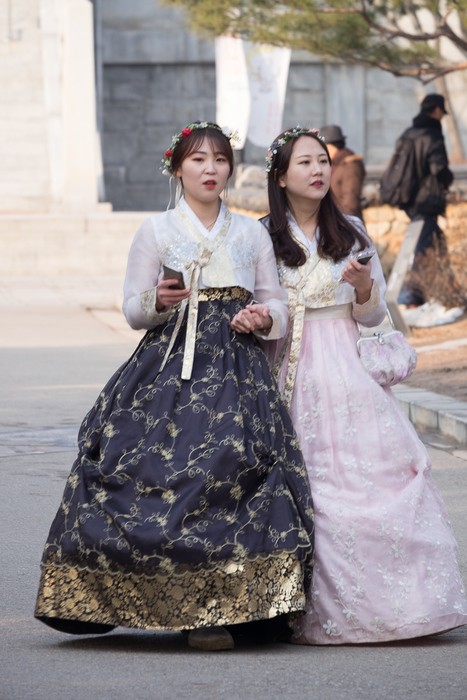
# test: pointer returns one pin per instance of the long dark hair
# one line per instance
(219, 143)
(337, 235)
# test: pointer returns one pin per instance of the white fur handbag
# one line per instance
(387, 357)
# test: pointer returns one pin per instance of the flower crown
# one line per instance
(166, 166)
(286, 136)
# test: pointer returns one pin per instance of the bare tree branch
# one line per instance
(431, 71)
(395, 33)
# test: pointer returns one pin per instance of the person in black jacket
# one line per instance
(434, 177)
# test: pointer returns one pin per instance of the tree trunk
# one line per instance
(457, 154)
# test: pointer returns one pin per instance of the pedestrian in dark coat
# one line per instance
(348, 172)
(434, 178)
(431, 159)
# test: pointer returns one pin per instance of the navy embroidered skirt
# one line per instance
(188, 504)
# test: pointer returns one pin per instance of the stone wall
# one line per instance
(153, 77)
(143, 106)
(145, 103)
(158, 76)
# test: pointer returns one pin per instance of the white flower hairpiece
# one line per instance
(286, 136)
(166, 166)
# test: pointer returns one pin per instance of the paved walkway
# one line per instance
(56, 355)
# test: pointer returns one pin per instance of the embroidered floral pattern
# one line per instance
(188, 504)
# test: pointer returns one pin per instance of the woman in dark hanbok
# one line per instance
(188, 507)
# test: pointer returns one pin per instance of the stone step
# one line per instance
(429, 411)
(53, 244)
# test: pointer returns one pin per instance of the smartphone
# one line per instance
(170, 274)
(365, 256)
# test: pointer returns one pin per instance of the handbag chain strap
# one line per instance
(379, 334)
(388, 314)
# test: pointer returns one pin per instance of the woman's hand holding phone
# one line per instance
(357, 273)
(169, 291)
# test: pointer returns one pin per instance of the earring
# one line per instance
(226, 192)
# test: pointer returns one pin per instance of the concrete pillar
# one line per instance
(49, 156)
(24, 159)
(79, 107)
(345, 102)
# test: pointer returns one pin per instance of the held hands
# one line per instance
(359, 276)
(253, 317)
(168, 295)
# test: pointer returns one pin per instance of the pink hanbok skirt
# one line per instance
(386, 557)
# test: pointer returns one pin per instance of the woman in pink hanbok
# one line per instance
(385, 563)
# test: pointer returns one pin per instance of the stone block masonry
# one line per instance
(143, 107)
(158, 76)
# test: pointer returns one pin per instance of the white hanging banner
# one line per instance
(232, 88)
(268, 69)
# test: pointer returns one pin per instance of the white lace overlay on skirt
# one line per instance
(386, 564)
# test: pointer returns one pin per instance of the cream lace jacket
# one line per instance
(236, 252)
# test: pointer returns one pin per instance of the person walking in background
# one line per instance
(348, 172)
(417, 180)
(385, 562)
(188, 507)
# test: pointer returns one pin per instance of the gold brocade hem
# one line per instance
(236, 591)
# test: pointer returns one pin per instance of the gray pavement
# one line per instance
(55, 357)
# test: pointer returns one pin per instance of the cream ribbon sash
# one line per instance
(206, 248)
(294, 337)
(297, 304)
(302, 313)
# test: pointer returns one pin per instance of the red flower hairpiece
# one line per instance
(166, 166)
